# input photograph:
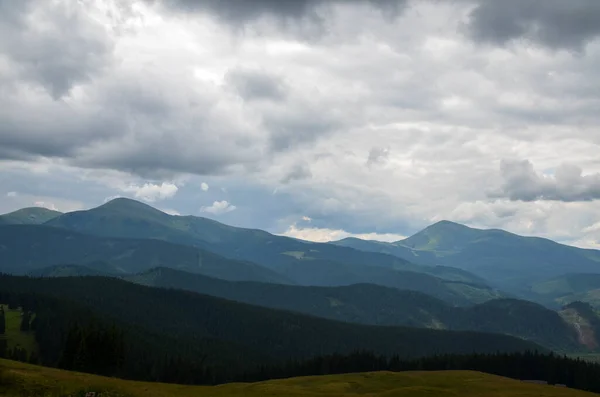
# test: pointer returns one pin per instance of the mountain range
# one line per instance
(192, 294)
(453, 262)
(130, 237)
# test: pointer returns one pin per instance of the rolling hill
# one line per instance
(29, 216)
(20, 379)
(509, 260)
(376, 305)
(25, 248)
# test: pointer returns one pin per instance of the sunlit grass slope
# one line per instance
(19, 379)
(14, 336)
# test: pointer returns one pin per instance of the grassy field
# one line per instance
(17, 379)
(14, 336)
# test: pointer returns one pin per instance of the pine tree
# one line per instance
(3, 348)
(25, 321)
(33, 358)
(2, 321)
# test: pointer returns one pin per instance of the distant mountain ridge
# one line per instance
(29, 216)
(26, 248)
(474, 258)
(303, 262)
(496, 255)
(49, 251)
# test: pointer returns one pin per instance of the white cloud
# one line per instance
(204, 186)
(153, 192)
(218, 208)
(45, 204)
(306, 219)
(381, 121)
(323, 235)
(12, 194)
(171, 211)
(110, 198)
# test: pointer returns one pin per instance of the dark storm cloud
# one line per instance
(242, 11)
(294, 127)
(41, 50)
(256, 84)
(558, 24)
(522, 183)
(52, 130)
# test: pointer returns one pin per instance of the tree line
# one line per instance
(549, 367)
(80, 338)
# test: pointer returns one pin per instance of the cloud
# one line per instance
(111, 198)
(323, 235)
(567, 183)
(171, 211)
(240, 12)
(218, 208)
(153, 192)
(204, 186)
(298, 171)
(378, 155)
(12, 194)
(553, 23)
(256, 84)
(42, 52)
(53, 203)
(306, 219)
(45, 204)
(155, 118)
(297, 97)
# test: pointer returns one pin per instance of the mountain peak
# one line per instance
(443, 235)
(447, 224)
(126, 204)
(29, 216)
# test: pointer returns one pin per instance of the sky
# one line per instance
(309, 118)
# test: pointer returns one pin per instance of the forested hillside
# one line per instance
(376, 305)
(207, 332)
(567, 288)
